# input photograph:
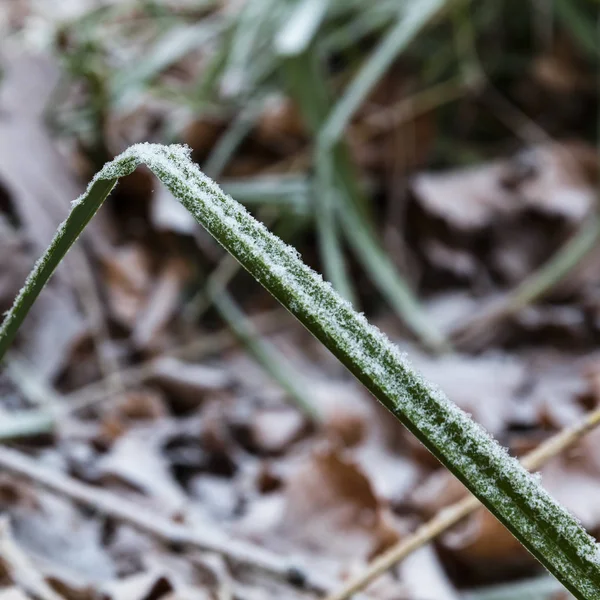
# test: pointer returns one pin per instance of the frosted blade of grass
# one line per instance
(416, 15)
(515, 497)
(69, 231)
(297, 33)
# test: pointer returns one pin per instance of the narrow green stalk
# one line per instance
(557, 268)
(264, 353)
(302, 74)
(544, 527)
(416, 15)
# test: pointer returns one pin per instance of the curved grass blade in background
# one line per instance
(545, 528)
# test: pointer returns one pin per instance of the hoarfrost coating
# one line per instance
(499, 481)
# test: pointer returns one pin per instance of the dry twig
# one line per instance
(20, 568)
(451, 515)
(236, 551)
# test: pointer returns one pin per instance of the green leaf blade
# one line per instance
(546, 529)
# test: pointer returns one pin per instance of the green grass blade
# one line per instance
(557, 267)
(304, 79)
(383, 273)
(417, 14)
(171, 47)
(290, 191)
(578, 20)
(68, 232)
(515, 497)
(230, 141)
(264, 353)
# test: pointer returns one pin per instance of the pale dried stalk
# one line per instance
(454, 513)
(148, 521)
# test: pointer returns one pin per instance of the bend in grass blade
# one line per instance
(546, 529)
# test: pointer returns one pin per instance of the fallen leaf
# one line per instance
(136, 458)
(331, 507)
(62, 542)
(161, 304)
(127, 278)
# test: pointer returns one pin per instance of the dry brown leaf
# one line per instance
(558, 179)
(345, 411)
(479, 542)
(127, 278)
(140, 405)
(467, 199)
(149, 585)
(161, 304)
(331, 508)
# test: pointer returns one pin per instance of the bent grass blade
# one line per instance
(542, 525)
